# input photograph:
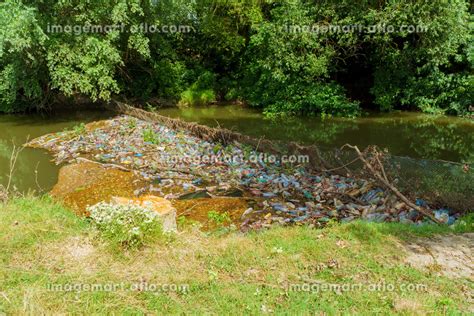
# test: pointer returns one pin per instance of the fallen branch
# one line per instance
(343, 166)
(382, 179)
(106, 165)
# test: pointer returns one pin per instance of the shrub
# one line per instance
(150, 136)
(200, 92)
(129, 226)
(290, 72)
(218, 218)
(323, 99)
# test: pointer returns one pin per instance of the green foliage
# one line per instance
(200, 92)
(22, 67)
(79, 130)
(322, 98)
(430, 71)
(85, 66)
(218, 218)
(150, 136)
(242, 50)
(290, 72)
(132, 123)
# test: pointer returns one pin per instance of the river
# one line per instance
(402, 133)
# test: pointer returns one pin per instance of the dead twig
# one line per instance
(13, 159)
(343, 166)
(382, 179)
(36, 178)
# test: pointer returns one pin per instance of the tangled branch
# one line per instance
(377, 170)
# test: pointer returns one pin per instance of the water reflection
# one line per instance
(402, 133)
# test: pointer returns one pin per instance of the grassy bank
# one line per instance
(46, 249)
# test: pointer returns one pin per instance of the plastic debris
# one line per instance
(443, 216)
(179, 165)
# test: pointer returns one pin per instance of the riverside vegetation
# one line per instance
(119, 259)
(252, 51)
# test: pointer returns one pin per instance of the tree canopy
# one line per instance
(288, 56)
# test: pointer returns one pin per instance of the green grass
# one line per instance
(42, 244)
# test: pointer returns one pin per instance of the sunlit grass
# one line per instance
(44, 244)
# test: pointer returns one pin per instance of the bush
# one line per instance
(129, 226)
(242, 50)
(323, 99)
(201, 92)
(290, 72)
(429, 71)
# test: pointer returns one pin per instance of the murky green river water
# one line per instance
(34, 170)
(403, 133)
(406, 134)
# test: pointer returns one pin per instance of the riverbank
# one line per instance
(175, 164)
(49, 257)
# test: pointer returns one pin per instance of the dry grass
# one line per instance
(44, 244)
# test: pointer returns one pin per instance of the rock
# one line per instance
(154, 203)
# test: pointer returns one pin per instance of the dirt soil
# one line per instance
(448, 255)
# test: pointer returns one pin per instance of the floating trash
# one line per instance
(179, 165)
